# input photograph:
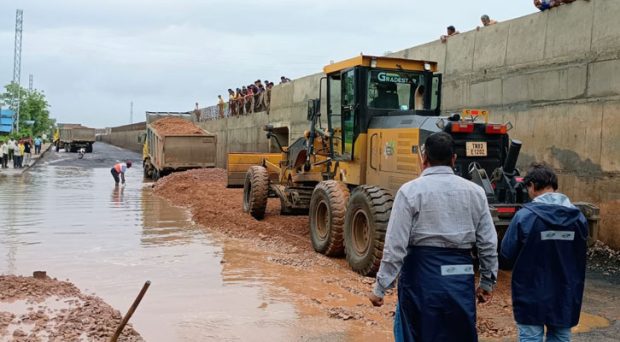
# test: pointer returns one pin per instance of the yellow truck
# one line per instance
(165, 151)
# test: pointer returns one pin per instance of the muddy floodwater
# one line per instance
(69, 219)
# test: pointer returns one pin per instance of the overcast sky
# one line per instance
(92, 58)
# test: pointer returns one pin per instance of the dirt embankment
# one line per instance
(176, 126)
(45, 309)
(326, 284)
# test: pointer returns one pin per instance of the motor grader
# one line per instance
(346, 168)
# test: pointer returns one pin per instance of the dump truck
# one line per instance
(366, 143)
(172, 142)
(72, 137)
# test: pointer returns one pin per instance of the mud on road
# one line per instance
(320, 285)
(45, 309)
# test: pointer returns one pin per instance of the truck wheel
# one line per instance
(328, 206)
(255, 191)
(89, 149)
(145, 169)
(368, 213)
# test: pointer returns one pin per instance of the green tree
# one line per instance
(33, 107)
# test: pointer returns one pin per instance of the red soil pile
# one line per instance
(215, 206)
(51, 310)
(176, 126)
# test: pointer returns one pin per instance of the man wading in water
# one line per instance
(120, 169)
(436, 221)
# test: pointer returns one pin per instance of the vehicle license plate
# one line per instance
(476, 148)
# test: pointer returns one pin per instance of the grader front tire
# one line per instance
(368, 213)
(255, 191)
(327, 211)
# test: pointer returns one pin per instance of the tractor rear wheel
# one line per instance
(256, 191)
(328, 207)
(368, 213)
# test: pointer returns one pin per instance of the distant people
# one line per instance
(544, 5)
(4, 153)
(232, 106)
(486, 21)
(220, 106)
(18, 157)
(12, 147)
(37, 145)
(284, 79)
(27, 152)
(197, 113)
(119, 169)
(545, 245)
(451, 32)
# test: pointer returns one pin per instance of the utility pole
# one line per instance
(30, 83)
(17, 63)
(131, 112)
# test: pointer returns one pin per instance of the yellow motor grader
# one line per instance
(346, 168)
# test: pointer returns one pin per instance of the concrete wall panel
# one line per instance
(526, 39)
(490, 45)
(460, 53)
(455, 95)
(604, 78)
(569, 30)
(566, 136)
(610, 138)
(606, 31)
(486, 93)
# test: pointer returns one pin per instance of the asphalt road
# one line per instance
(103, 155)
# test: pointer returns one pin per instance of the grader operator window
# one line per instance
(395, 90)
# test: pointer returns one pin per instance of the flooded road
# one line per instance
(66, 217)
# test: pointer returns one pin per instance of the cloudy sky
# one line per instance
(92, 58)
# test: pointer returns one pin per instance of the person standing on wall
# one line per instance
(119, 169)
(545, 245)
(436, 221)
(220, 106)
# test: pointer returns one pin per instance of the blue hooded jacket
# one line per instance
(546, 246)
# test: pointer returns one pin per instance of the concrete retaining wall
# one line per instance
(126, 136)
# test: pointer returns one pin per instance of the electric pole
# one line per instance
(30, 83)
(17, 63)
(131, 112)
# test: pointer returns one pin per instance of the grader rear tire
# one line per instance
(328, 207)
(256, 191)
(368, 213)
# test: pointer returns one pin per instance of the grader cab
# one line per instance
(364, 142)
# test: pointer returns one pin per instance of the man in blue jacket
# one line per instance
(546, 246)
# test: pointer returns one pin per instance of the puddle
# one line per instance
(587, 322)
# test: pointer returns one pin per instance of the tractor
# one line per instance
(363, 143)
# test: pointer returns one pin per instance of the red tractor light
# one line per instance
(462, 127)
(496, 129)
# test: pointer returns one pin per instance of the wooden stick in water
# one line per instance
(133, 308)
